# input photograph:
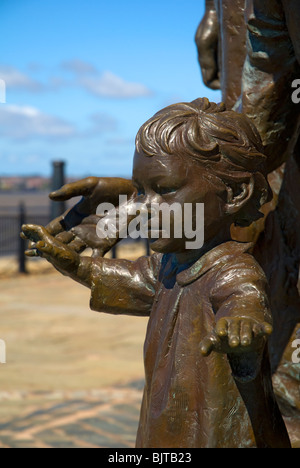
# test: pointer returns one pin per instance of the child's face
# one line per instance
(175, 179)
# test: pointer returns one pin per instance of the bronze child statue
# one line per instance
(207, 375)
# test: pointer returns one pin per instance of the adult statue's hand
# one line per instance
(77, 226)
(207, 38)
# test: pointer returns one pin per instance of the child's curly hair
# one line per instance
(225, 142)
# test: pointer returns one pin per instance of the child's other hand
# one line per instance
(57, 253)
(235, 335)
(77, 226)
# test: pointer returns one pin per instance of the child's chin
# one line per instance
(167, 245)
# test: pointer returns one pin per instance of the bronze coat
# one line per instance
(191, 400)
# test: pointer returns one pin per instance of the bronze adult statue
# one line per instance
(208, 379)
(252, 48)
(224, 62)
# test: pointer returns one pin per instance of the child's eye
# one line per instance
(165, 190)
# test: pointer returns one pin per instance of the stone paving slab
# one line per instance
(105, 418)
(65, 381)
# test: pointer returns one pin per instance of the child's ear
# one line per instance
(237, 199)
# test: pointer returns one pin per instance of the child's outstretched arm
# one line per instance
(117, 286)
(242, 318)
(62, 257)
(240, 328)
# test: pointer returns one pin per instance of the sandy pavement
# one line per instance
(55, 345)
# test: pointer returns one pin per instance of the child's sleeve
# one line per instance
(124, 287)
(241, 289)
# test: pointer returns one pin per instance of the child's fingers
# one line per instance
(58, 254)
(208, 344)
(45, 248)
(263, 328)
(31, 253)
(234, 333)
(229, 327)
(77, 245)
(33, 232)
(267, 327)
(246, 332)
(222, 327)
(65, 237)
(69, 238)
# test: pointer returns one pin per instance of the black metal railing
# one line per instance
(10, 231)
(11, 243)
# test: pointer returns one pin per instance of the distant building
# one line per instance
(31, 183)
(28, 183)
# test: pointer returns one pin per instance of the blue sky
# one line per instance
(82, 77)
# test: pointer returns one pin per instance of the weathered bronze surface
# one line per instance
(259, 60)
(209, 337)
(208, 377)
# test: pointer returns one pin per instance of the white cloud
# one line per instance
(106, 84)
(25, 122)
(85, 76)
(21, 123)
(78, 67)
(16, 80)
(112, 86)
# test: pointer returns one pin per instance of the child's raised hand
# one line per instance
(57, 253)
(77, 226)
(235, 335)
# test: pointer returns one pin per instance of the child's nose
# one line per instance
(149, 198)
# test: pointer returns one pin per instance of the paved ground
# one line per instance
(73, 377)
(105, 418)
